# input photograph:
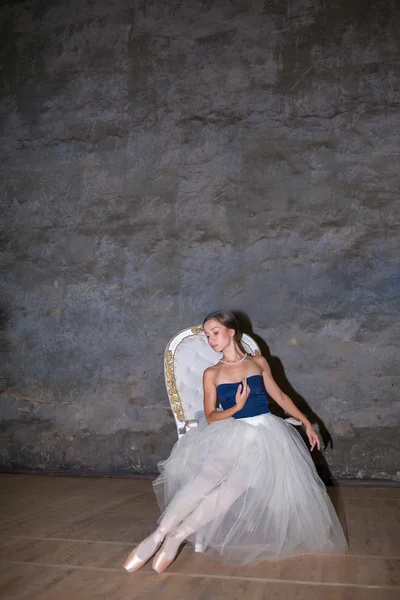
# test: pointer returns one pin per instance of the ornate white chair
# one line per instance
(187, 356)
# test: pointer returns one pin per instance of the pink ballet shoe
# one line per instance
(133, 562)
(161, 562)
(165, 557)
(146, 549)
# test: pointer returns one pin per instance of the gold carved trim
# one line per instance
(196, 330)
(171, 386)
(257, 353)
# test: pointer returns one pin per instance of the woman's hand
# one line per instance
(242, 394)
(313, 438)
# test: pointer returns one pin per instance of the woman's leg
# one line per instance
(185, 501)
(181, 505)
(218, 501)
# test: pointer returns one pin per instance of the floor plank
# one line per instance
(48, 583)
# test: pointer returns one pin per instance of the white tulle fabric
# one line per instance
(249, 491)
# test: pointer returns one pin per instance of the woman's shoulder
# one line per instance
(210, 373)
(259, 360)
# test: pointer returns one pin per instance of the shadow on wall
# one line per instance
(279, 375)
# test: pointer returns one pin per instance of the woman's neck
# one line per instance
(233, 355)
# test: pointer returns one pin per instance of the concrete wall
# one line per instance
(162, 159)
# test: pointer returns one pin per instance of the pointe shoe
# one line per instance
(133, 562)
(161, 560)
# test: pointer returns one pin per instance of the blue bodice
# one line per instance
(257, 402)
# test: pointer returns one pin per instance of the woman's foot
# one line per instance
(166, 555)
(142, 553)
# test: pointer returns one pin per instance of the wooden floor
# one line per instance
(66, 538)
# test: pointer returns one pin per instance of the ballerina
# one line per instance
(244, 481)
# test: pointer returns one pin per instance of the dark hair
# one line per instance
(227, 319)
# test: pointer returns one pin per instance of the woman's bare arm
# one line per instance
(210, 400)
(285, 402)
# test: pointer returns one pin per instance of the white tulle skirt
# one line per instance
(247, 490)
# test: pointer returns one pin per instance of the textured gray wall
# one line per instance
(163, 159)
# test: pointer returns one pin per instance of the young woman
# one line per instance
(244, 481)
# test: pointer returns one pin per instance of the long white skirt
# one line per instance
(247, 490)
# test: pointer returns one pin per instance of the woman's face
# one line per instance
(218, 336)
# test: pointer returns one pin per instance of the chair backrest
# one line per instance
(187, 356)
